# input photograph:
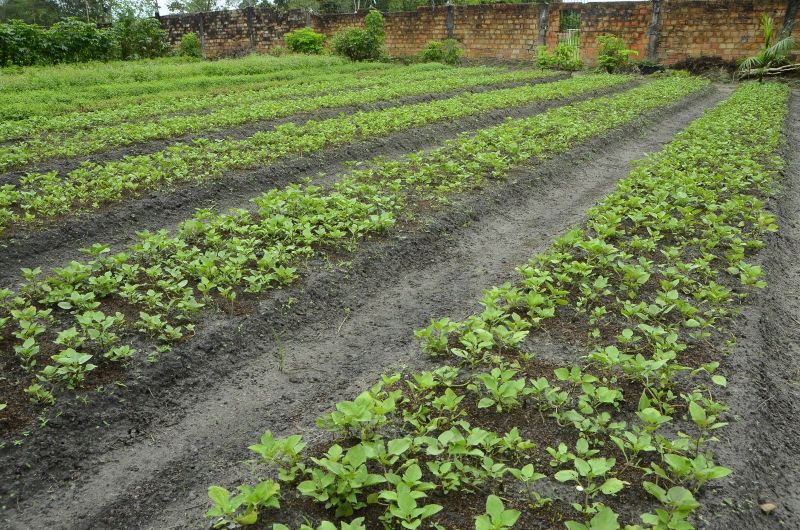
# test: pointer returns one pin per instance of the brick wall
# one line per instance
(627, 20)
(729, 29)
(224, 33)
(684, 28)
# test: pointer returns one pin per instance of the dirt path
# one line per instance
(764, 377)
(189, 420)
(117, 224)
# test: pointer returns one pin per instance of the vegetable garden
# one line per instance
(303, 293)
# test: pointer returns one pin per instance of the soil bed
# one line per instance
(187, 420)
(65, 165)
(117, 224)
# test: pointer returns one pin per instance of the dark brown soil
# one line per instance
(142, 456)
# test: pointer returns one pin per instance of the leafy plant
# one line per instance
(242, 509)
(564, 57)
(773, 57)
(448, 51)
(305, 40)
(362, 44)
(496, 517)
(613, 56)
(190, 45)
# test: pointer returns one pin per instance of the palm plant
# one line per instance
(769, 61)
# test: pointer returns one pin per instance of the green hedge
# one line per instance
(74, 41)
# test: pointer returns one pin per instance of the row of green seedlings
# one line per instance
(159, 286)
(247, 108)
(131, 78)
(276, 85)
(39, 196)
(653, 279)
(14, 106)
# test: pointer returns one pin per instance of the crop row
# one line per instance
(648, 285)
(240, 108)
(233, 95)
(43, 195)
(59, 325)
(19, 106)
(70, 76)
(114, 109)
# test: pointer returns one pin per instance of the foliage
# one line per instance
(141, 169)
(715, 170)
(569, 20)
(612, 54)
(213, 257)
(773, 54)
(72, 40)
(194, 6)
(21, 44)
(448, 52)
(564, 57)
(140, 38)
(190, 45)
(305, 40)
(362, 44)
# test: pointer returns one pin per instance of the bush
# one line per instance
(21, 44)
(448, 52)
(564, 57)
(305, 40)
(75, 41)
(68, 41)
(72, 40)
(141, 38)
(190, 45)
(362, 44)
(613, 55)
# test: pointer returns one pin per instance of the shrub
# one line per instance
(362, 44)
(74, 41)
(305, 40)
(564, 57)
(141, 38)
(68, 41)
(448, 52)
(612, 55)
(21, 44)
(190, 45)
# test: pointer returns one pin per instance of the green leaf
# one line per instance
(719, 380)
(612, 486)
(604, 519)
(219, 495)
(566, 475)
(485, 403)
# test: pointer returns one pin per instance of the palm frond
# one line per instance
(752, 63)
(769, 29)
(780, 49)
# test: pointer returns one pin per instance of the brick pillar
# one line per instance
(449, 21)
(201, 31)
(251, 34)
(653, 31)
(544, 16)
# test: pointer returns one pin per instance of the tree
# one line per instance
(772, 59)
(42, 12)
(194, 6)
